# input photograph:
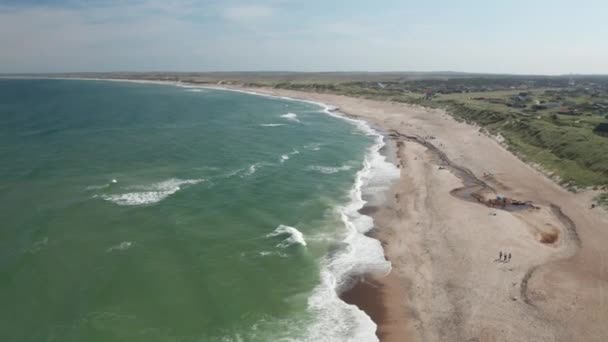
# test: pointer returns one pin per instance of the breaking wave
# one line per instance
(272, 125)
(291, 236)
(328, 170)
(335, 319)
(313, 146)
(149, 194)
(291, 116)
(121, 246)
(286, 157)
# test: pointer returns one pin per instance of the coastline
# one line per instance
(335, 278)
(445, 282)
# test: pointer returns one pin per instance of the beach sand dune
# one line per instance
(446, 283)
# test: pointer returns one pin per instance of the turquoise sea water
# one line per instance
(146, 212)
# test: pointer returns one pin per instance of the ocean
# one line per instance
(157, 212)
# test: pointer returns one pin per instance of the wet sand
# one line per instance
(446, 283)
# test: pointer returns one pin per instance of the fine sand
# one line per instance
(446, 283)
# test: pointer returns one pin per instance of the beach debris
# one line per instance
(503, 202)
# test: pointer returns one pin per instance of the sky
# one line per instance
(515, 36)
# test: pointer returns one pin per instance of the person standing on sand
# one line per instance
(509, 256)
(500, 255)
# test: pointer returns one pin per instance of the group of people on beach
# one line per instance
(504, 257)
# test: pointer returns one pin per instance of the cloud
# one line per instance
(245, 13)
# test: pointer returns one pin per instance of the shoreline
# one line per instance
(351, 217)
(446, 281)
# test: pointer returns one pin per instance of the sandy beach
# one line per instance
(448, 283)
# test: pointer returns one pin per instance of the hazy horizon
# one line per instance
(521, 38)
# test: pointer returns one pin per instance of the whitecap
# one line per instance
(149, 194)
(120, 247)
(313, 146)
(251, 170)
(286, 157)
(291, 116)
(293, 236)
(272, 125)
(97, 187)
(328, 170)
(233, 173)
(335, 319)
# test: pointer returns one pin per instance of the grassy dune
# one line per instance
(563, 145)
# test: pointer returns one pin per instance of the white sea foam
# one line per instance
(233, 173)
(272, 125)
(195, 90)
(291, 116)
(337, 320)
(291, 234)
(286, 157)
(251, 170)
(328, 170)
(149, 194)
(97, 187)
(120, 247)
(313, 146)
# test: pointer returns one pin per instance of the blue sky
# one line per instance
(534, 36)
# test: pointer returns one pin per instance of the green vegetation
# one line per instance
(563, 145)
(602, 200)
(557, 122)
(559, 127)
